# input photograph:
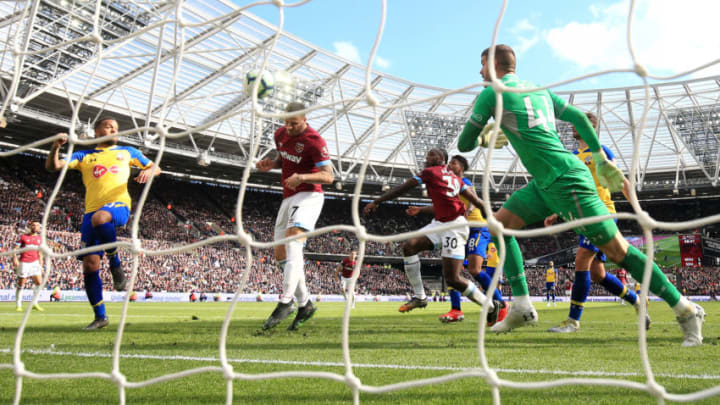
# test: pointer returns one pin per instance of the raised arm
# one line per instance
(391, 195)
(53, 162)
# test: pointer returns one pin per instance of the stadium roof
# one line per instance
(142, 52)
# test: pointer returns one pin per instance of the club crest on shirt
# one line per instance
(299, 147)
(119, 156)
(99, 171)
(588, 160)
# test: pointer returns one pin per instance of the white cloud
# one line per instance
(668, 37)
(347, 50)
(523, 25)
(381, 62)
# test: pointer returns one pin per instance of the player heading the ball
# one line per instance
(305, 165)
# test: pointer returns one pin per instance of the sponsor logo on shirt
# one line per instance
(325, 152)
(114, 169)
(99, 171)
(293, 158)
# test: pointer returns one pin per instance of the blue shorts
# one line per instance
(550, 285)
(586, 244)
(477, 243)
(120, 214)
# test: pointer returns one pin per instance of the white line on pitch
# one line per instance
(358, 365)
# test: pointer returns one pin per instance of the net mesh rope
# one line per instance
(175, 18)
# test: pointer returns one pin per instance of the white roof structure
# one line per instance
(190, 78)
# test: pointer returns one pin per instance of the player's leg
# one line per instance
(689, 315)
(91, 274)
(615, 286)
(580, 289)
(304, 212)
(476, 256)
(452, 266)
(285, 307)
(411, 262)
(524, 206)
(456, 314)
(37, 281)
(19, 289)
(104, 222)
(585, 202)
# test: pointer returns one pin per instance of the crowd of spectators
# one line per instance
(176, 213)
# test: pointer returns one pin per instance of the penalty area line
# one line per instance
(576, 373)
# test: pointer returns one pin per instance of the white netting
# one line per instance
(173, 26)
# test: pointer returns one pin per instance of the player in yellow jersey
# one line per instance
(477, 249)
(105, 172)
(589, 260)
(550, 279)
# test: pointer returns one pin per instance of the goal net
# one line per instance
(174, 71)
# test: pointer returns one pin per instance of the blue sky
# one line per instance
(439, 42)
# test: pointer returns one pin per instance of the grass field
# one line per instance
(390, 347)
(667, 253)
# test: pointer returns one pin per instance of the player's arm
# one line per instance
(469, 193)
(338, 269)
(482, 111)
(53, 162)
(15, 260)
(391, 195)
(608, 174)
(268, 164)
(415, 210)
(325, 175)
(151, 170)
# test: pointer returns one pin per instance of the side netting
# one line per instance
(172, 27)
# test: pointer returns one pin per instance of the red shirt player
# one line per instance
(443, 187)
(29, 264)
(305, 163)
(621, 274)
(345, 272)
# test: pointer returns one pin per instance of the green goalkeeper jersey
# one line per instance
(528, 120)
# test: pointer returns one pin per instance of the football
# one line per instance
(266, 83)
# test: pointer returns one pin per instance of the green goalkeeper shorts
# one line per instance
(571, 196)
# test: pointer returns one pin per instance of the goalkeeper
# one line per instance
(561, 185)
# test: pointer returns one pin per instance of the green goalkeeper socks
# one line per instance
(634, 262)
(513, 266)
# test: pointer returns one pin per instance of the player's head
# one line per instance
(593, 121)
(106, 126)
(353, 255)
(551, 263)
(435, 157)
(504, 61)
(296, 123)
(35, 227)
(458, 165)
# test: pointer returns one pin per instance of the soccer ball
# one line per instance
(266, 86)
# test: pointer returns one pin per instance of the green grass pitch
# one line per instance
(387, 346)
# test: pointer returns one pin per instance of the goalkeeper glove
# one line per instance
(484, 138)
(608, 174)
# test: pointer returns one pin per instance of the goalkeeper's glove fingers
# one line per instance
(484, 138)
(608, 174)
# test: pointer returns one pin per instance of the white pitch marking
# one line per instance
(358, 365)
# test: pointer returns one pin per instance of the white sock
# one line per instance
(18, 296)
(293, 270)
(522, 301)
(474, 294)
(35, 291)
(683, 307)
(301, 292)
(412, 270)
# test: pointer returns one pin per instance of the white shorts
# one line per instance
(26, 270)
(452, 242)
(301, 210)
(345, 283)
